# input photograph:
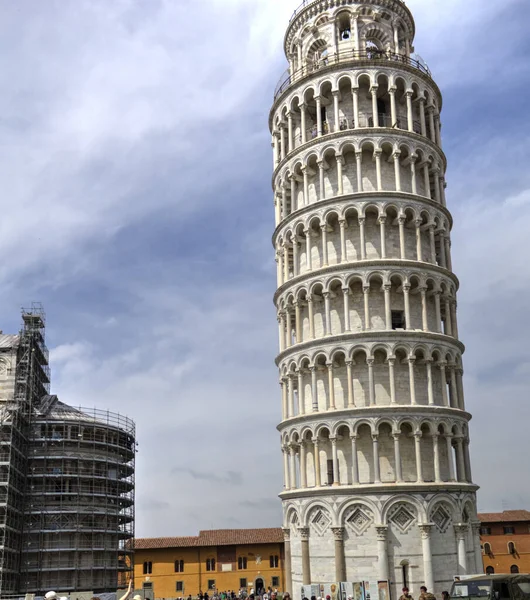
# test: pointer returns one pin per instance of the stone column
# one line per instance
(443, 377)
(438, 310)
(467, 461)
(336, 110)
(282, 140)
(419, 250)
(359, 163)
(430, 390)
(392, 379)
(476, 546)
(356, 34)
(430, 110)
(401, 222)
(287, 560)
(413, 159)
(397, 170)
(424, 316)
(454, 391)
(322, 185)
(286, 477)
(303, 122)
(461, 532)
(450, 459)
(306, 561)
(281, 326)
(303, 466)
(318, 101)
(314, 389)
(406, 300)
(307, 233)
(377, 469)
(301, 394)
(436, 454)
(311, 315)
(427, 180)
(393, 111)
(397, 457)
(362, 221)
(340, 559)
(412, 381)
(324, 230)
(351, 398)
(305, 176)
(355, 462)
(292, 466)
(433, 244)
(428, 573)
(331, 385)
(346, 292)
(343, 252)
(355, 96)
(285, 403)
(335, 457)
(419, 467)
(290, 140)
(382, 228)
(375, 112)
(316, 460)
(340, 179)
(382, 553)
(298, 322)
(423, 122)
(371, 383)
(410, 120)
(388, 311)
(460, 464)
(366, 294)
(460, 387)
(327, 316)
(377, 154)
(290, 391)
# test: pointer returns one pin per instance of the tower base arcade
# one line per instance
(409, 539)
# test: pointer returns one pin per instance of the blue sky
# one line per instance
(135, 161)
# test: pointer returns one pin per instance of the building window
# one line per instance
(508, 529)
(490, 570)
(274, 562)
(275, 582)
(405, 573)
(179, 566)
(243, 582)
(210, 564)
(511, 548)
(398, 319)
(242, 563)
(211, 584)
(485, 531)
(514, 569)
(180, 586)
(148, 568)
(487, 548)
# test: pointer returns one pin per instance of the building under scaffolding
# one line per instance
(66, 479)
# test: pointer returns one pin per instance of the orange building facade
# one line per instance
(505, 541)
(215, 560)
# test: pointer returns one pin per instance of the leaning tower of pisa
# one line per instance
(374, 428)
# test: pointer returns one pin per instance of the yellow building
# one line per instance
(216, 560)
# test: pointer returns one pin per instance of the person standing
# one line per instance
(406, 595)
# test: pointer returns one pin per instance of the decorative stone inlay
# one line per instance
(358, 520)
(320, 522)
(402, 518)
(441, 518)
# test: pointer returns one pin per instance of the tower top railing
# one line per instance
(288, 78)
(305, 3)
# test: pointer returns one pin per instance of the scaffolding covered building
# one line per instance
(66, 479)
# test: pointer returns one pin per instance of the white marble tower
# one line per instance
(374, 428)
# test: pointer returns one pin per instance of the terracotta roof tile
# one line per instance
(214, 537)
(507, 516)
(166, 542)
(236, 537)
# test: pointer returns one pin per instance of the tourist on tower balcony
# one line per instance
(406, 595)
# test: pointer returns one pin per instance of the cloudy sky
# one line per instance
(135, 165)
